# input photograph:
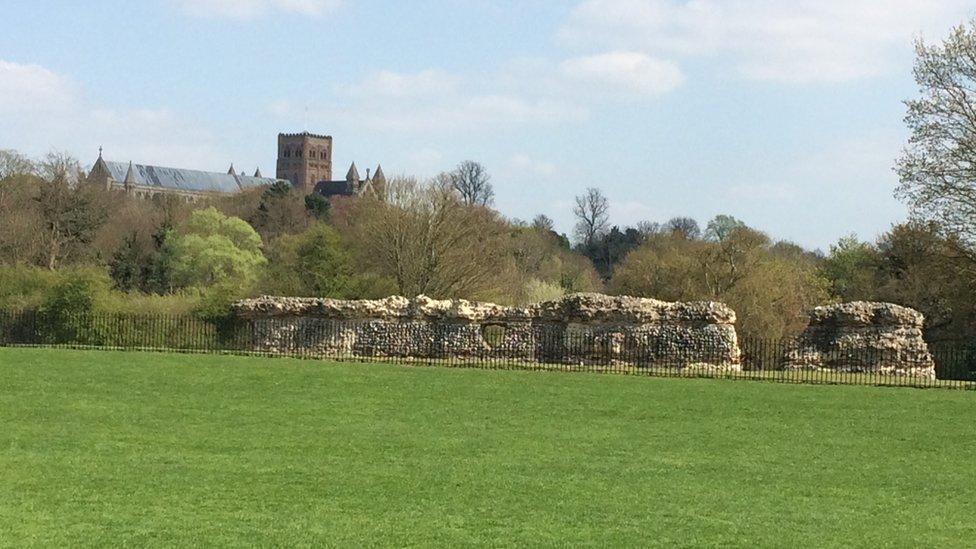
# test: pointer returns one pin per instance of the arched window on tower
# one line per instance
(323, 155)
(286, 153)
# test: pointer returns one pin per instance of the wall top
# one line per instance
(582, 307)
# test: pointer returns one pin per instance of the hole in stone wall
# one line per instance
(494, 334)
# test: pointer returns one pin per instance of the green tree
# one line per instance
(851, 267)
(937, 170)
(212, 249)
(769, 289)
(313, 263)
(721, 226)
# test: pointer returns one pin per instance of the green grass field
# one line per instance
(112, 448)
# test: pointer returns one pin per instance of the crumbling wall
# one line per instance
(575, 329)
(864, 337)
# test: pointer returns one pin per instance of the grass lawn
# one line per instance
(112, 448)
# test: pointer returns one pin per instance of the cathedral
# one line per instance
(304, 161)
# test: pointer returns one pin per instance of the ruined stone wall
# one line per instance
(863, 337)
(576, 329)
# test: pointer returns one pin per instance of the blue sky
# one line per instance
(786, 114)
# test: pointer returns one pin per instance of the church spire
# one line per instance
(379, 176)
(130, 177)
(353, 174)
(231, 170)
(257, 173)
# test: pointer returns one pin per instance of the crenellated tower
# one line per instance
(304, 159)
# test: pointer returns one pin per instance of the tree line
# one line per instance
(65, 242)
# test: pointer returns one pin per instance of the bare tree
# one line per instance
(937, 169)
(683, 226)
(425, 239)
(13, 164)
(472, 183)
(591, 211)
(543, 222)
(61, 167)
(647, 228)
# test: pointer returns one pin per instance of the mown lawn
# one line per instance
(111, 448)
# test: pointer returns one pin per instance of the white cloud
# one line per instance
(624, 71)
(394, 84)
(426, 160)
(252, 9)
(42, 110)
(523, 163)
(32, 88)
(435, 100)
(778, 40)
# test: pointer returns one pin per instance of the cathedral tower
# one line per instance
(304, 159)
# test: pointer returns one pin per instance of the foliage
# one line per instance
(24, 286)
(66, 310)
(211, 249)
(426, 240)
(938, 167)
(539, 290)
(721, 227)
(769, 290)
(313, 263)
(282, 210)
(849, 268)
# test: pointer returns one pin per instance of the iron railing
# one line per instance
(586, 350)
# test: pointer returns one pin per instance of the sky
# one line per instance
(786, 114)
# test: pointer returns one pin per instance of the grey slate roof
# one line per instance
(335, 188)
(186, 180)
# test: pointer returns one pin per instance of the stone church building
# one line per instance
(304, 160)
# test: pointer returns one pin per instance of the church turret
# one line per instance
(130, 178)
(231, 170)
(353, 174)
(379, 176)
(257, 173)
(99, 174)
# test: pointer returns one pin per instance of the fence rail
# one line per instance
(589, 351)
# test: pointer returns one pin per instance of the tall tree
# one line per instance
(684, 227)
(937, 169)
(213, 249)
(429, 242)
(592, 216)
(71, 213)
(472, 183)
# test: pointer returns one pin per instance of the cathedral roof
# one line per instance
(335, 188)
(184, 180)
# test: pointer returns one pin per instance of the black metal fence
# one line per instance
(950, 364)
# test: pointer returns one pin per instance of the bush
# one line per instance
(24, 287)
(66, 312)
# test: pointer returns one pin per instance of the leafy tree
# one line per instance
(70, 213)
(851, 267)
(313, 263)
(719, 228)
(213, 249)
(281, 211)
(770, 290)
(937, 170)
(317, 206)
